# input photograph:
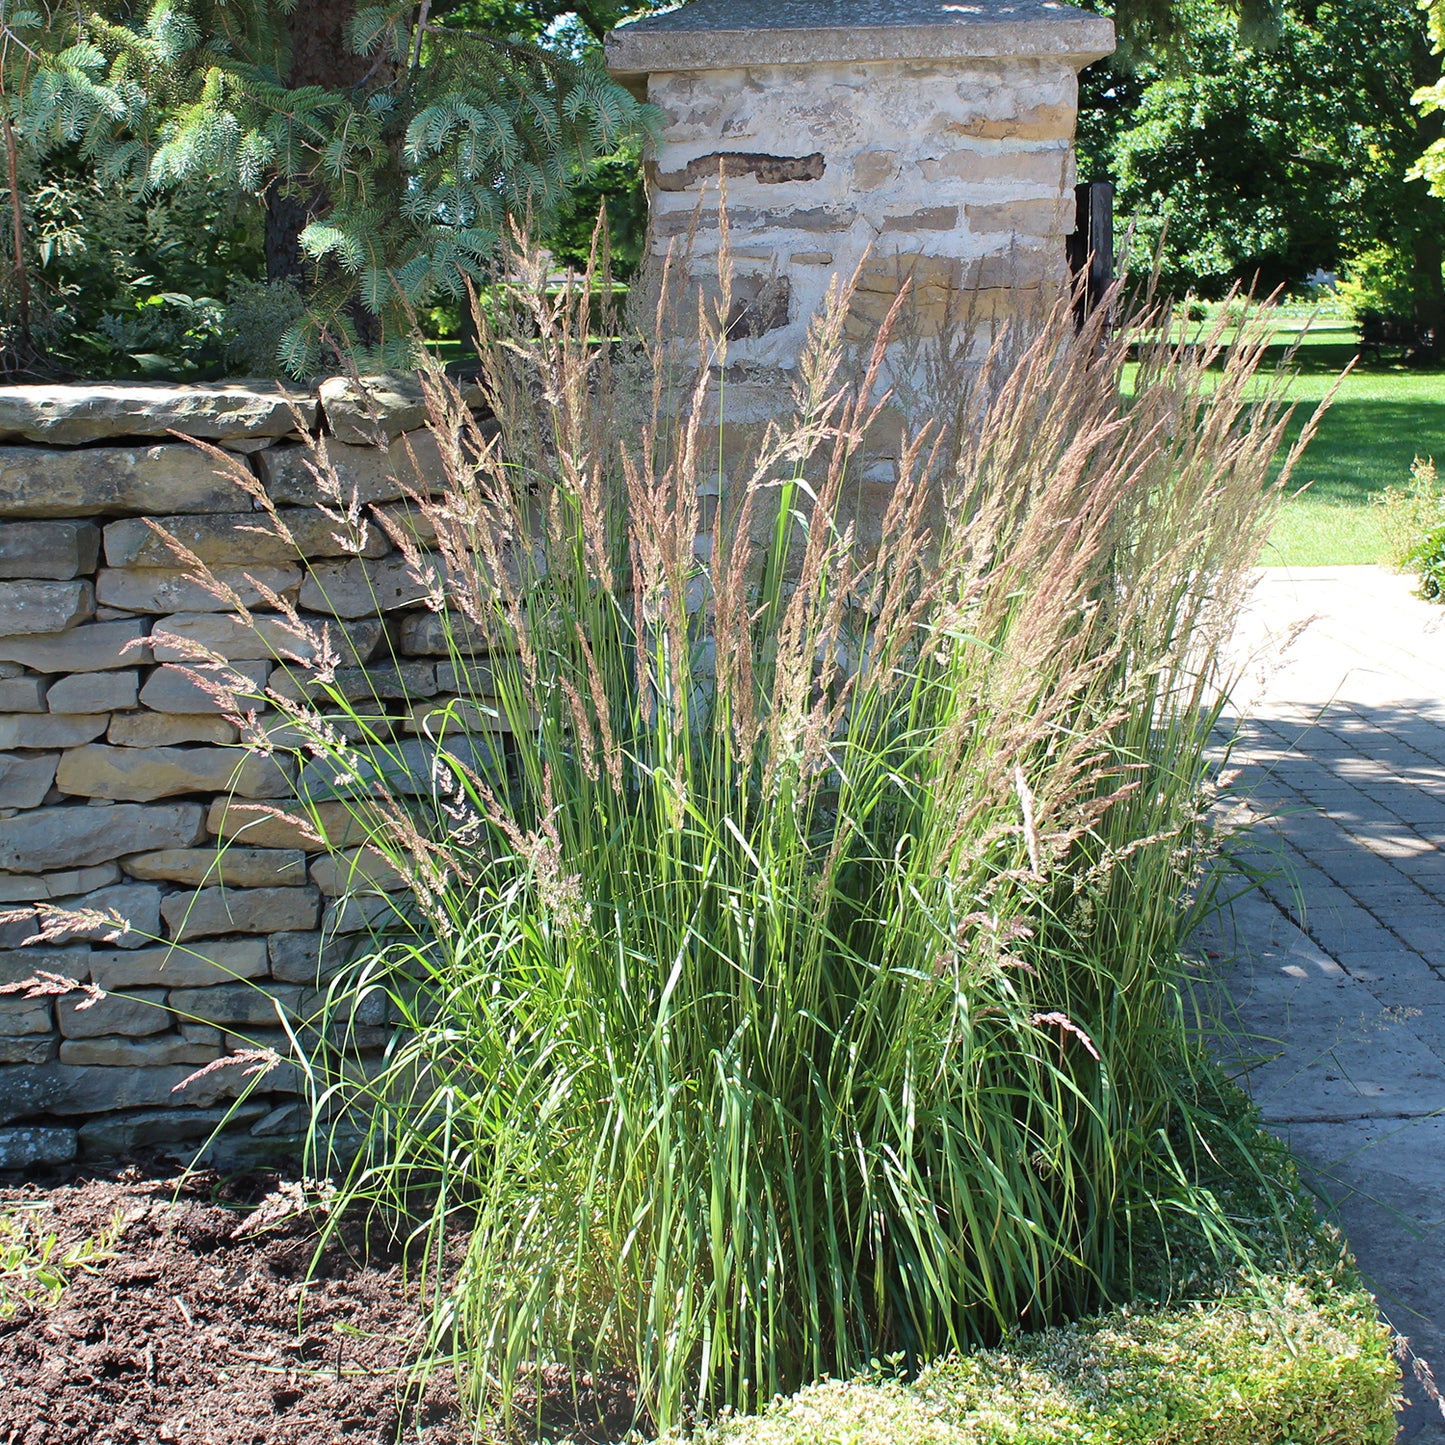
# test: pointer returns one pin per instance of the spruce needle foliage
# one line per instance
(406, 163)
(788, 973)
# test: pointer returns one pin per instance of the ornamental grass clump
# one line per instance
(787, 974)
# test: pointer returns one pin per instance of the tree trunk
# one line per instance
(1427, 245)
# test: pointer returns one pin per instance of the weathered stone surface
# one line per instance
(230, 867)
(410, 768)
(90, 692)
(50, 730)
(874, 168)
(34, 1144)
(61, 415)
(359, 870)
(217, 961)
(360, 913)
(22, 963)
(131, 1053)
(64, 1089)
(257, 825)
(24, 781)
(237, 1004)
(28, 1049)
(38, 482)
(236, 539)
(269, 636)
(167, 589)
(213, 911)
(137, 905)
(436, 634)
(1023, 218)
(123, 1133)
(1052, 168)
(768, 170)
(306, 958)
(410, 465)
(22, 694)
(385, 406)
(170, 689)
(44, 606)
(1043, 122)
(43, 887)
(26, 1016)
(445, 716)
(165, 730)
(144, 774)
(95, 647)
(58, 550)
(362, 588)
(132, 1014)
(929, 218)
(73, 837)
(387, 682)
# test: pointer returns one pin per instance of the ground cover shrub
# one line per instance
(787, 973)
(1415, 528)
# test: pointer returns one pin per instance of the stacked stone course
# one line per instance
(119, 775)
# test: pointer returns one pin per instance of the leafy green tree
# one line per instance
(389, 145)
(1261, 162)
(1431, 100)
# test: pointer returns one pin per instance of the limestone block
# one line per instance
(131, 1053)
(360, 913)
(444, 716)
(34, 1144)
(65, 1089)
(141, 775)
(39, 482)
(268, 636)
(384, 406)
(56, 550)
(23, 963)
(229, 867)
(362, 588)
(412, 464)
(1054, 217)
(173, 589)
(94, 692)
(387, 682)
(213, 911)
(120, 1134)
(24, 781)
(1043, 120)
(238, 1004)
(258, 825)
(45, 887)
(1050, 169)
(308, 958)
(133, 1015)
(50, 730)
(202, 1033)
(410, 768)
(22, 694)
(95, 647)
(217, 961)
(164, 730)
(359, 870)
(74, 836)
(25, 1016)
(173, 689)
(768, 170)
(61, 415)
(436, 634)
(28, 1048)
(235, 539)
(44, 606)
(138, 906)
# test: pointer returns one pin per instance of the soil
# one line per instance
(188, 1334)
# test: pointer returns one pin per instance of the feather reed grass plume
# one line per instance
(788, 973)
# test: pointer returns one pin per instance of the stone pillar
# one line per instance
(911, 137)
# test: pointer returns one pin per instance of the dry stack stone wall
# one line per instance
(119, 775)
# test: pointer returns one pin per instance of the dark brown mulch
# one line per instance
(186, 1336)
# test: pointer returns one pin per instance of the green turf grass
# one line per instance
(1384, 416)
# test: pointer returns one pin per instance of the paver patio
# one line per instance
(1337, 975)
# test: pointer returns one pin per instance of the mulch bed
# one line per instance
(189, 1336)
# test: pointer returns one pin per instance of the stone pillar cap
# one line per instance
(726, 34)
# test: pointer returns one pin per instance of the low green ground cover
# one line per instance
(1384, 416)
(1280, 1348)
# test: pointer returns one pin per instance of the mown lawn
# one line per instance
(1384, 416)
